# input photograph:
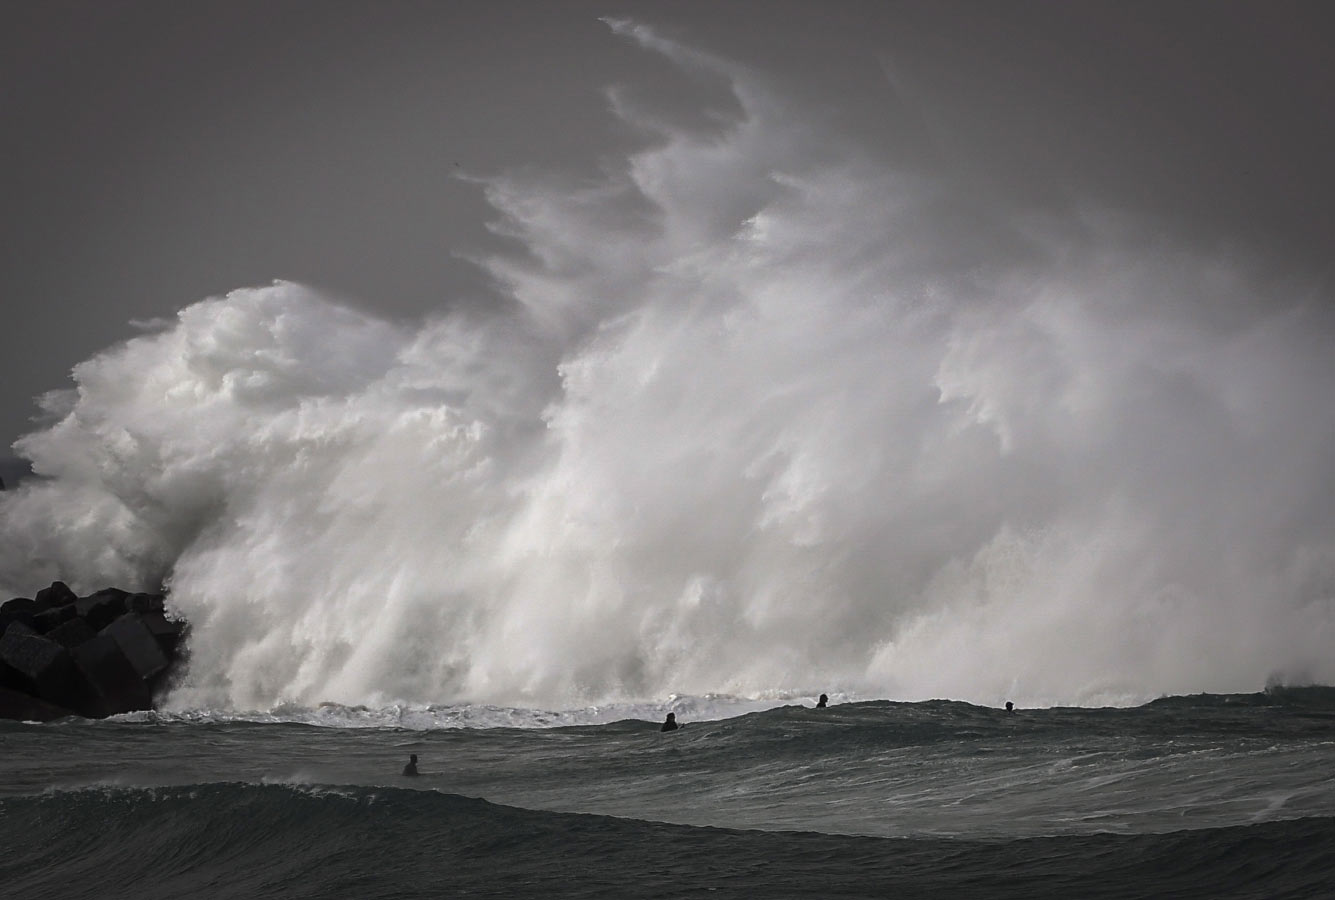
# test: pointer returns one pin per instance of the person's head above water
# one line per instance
(820, 704)
(1010, 707)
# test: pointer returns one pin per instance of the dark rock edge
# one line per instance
(110, 652)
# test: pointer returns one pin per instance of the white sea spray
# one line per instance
(764, 413)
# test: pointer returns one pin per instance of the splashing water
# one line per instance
(767, 414)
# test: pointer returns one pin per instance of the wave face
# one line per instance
(236, 840)
(1204, 796)
(936, 768)
(763, 413)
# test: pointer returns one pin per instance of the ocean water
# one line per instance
(1203, 796)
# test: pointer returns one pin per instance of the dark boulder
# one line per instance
(71, 634)
(17, 605)
(27, 620)
(21, 707)
(58, 594)
(117, 685)
(9, 676)
(114, 592)
(167, 631)
(44, 667)
(146, 603)
(17, 610)
(48, 619)
(139, 645)
(22, 628)
(94, 656)
(101, 609)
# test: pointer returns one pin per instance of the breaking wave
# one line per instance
(761, 412)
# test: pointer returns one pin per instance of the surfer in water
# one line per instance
(670, 723)
(820, 704)
(411, 768)
(1010, 707)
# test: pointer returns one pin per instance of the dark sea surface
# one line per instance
(1206, 796)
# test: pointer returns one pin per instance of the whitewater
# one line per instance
(755, 411)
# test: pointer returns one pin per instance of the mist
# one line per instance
(764, 413)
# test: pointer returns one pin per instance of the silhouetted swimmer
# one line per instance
(1010, 707)
(670, 723)
(411, 768)
(820, 704)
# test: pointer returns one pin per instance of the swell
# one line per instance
(247, 840)
(1278, 711)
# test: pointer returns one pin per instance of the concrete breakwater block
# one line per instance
(71, 633)
(18, 705)
(54, 617)
(92, 656)
(140, 647)
(101, 609)
(43, 667)
(118, 687)
(146, 603)
(9, 676)
(20, 609)
(168, 632)
(17, 605)
(58, 594)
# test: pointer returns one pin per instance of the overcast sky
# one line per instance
(156, 153)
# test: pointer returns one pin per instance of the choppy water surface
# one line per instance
(944, 786)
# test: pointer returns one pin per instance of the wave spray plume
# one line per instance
(765, 414)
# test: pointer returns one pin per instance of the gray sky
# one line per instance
(155, 153)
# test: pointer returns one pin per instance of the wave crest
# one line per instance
(764, 413)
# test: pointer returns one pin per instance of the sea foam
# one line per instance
(757, 411)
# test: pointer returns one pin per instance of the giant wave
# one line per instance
(760, 412)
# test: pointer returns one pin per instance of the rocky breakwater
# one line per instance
(95, 656)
